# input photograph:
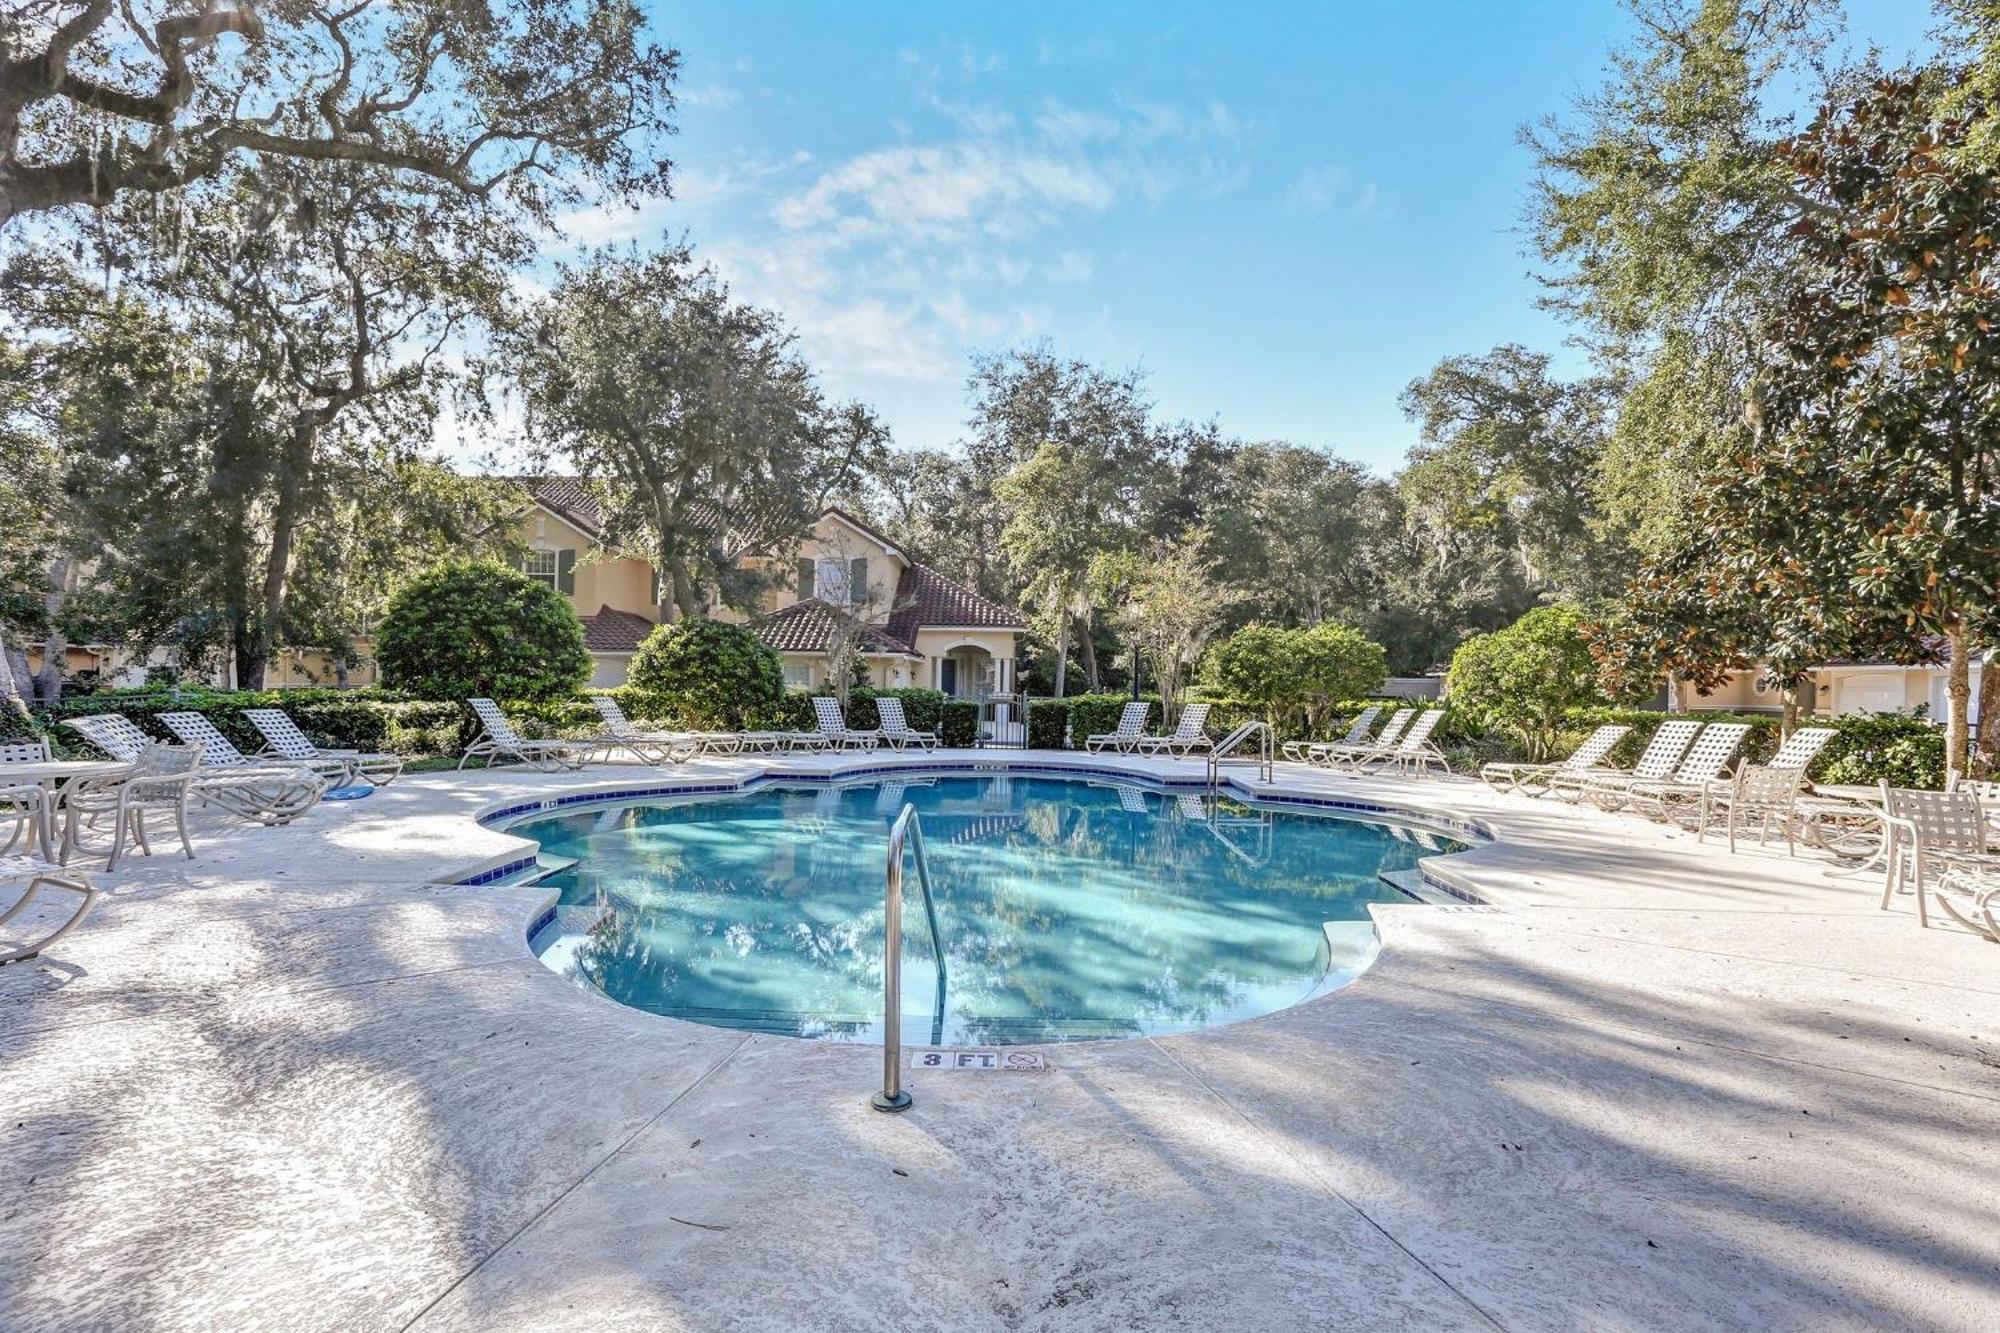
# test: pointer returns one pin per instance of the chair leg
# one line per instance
(181, 824)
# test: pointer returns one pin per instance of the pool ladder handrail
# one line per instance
(908, 829)
(1234, 741)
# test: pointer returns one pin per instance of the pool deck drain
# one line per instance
(294, 1085)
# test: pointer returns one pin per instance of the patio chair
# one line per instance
(1704, 762)
(1131, 726)
(1532, 779)
(1669, 742)
(1943, 833)
(497, 739)
(896, 728)
(648, 747)
(41, 878)
(1415, 751)
(1186, 738)
(283, 738)
(263, 793)
(28, 802)
(1339, 756)
(1759, 792)
(833, 728)
(160, 781)
(1300, 752)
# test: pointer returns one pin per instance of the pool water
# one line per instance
(1067, 910)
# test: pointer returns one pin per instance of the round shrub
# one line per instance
(1296, 676)
(709, 674)
(468, 628)
(1523, 678)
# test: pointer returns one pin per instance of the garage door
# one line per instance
(1868, 694)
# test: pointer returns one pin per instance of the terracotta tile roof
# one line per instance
(807, 627)
(925, 597)
(573, 499)
(614, 631)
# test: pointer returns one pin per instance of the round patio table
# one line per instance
(57, 776)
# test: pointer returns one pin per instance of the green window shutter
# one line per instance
(805, 568)
(566, 571)
(654, 594)
(857, 580)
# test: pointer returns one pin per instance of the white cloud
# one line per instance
(1319, 190)
(712, 95)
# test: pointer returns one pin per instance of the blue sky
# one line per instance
(1284, 212)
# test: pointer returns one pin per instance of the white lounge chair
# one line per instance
(283, 738)
(1186, 738)
(833, 728)
(1663, 751)
(265, 793)
(497, 739)
(1532, 779)
(1301, 752)
(1415, 751)
(28, 802)
(40, 878)
(896, 728)
(160, 781)
(1801, 748)
(1131, 726)
(1339, 756)
(648, 747)
(1706, 758)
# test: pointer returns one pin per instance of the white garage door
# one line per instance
(1868, 694)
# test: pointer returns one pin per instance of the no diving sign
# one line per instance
(981, 1059)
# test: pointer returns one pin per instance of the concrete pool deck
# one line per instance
(293, 1085)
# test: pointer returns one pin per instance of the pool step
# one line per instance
(1411, 884)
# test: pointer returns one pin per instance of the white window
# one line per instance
(540, 565)
(830, 581)
(798, 675)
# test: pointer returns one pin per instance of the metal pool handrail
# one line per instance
(907, 828)
(1233, 741)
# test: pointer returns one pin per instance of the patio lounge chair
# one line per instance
(283, 738)
(497, 740)
(264, 793)
(1702, 764)
(1759, 792)
(1669, 742)
(833, 728)
(1532, 779)
(160, 781)
(1946, 839)
(1802, 747)
(648, 747)
(41, 878)
(1131, 726)
(896, 728)
(28, 802)
(1186, 738)
(1301, 752)
(1338, 756)
(1415, 750)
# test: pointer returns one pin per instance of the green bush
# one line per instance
(471, 628)
(1525, 678)
(1048, 723)
(710, 675)
(336, 719)
(958, 722)
(1295, 676)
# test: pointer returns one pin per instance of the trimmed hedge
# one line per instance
(956, 721)
(337, 719)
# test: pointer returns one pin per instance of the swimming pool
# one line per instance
(1067, 910)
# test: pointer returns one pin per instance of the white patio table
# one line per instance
(57, 776)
